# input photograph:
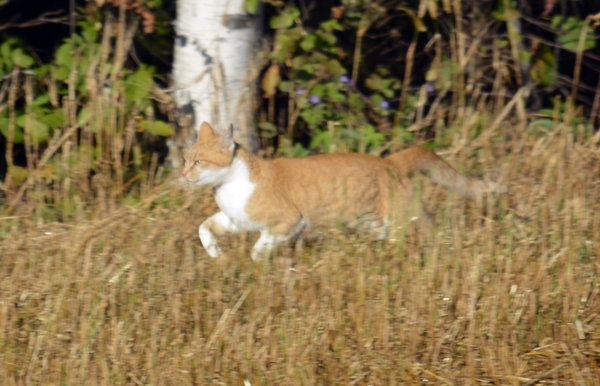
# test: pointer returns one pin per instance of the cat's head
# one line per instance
(208, 161)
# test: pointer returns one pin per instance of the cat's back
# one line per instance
(334, 164)
(327, 172)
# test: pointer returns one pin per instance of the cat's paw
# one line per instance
(213, 251)
(259, 254)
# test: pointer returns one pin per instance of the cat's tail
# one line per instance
(417, 159)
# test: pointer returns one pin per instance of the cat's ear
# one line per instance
(206, 131)
(227, 143)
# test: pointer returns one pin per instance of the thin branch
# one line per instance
(42, 19)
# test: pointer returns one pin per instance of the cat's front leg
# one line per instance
(215, 225)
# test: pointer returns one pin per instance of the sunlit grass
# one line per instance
(503, 292)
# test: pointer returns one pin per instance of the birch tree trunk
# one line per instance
(212, 65)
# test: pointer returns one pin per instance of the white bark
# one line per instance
(211, 69)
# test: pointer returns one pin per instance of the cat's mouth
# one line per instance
(200, 180)
(208, 176)
(195, 180)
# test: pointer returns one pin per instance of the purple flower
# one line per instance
(430, 88)
(346, 79)
(300, 91)
(315, 99)
(384, 104)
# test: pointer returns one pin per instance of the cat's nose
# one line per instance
(183, 173)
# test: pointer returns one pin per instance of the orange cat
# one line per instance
(285, 198)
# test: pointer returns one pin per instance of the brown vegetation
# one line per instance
(505, 292)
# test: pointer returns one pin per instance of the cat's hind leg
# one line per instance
(215, 225)
(272, 236)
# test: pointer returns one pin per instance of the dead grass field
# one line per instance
(504, 293)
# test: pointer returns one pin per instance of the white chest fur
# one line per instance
(233, 195)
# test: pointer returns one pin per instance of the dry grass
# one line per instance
(505, 293)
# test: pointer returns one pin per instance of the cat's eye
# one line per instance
(198, 162)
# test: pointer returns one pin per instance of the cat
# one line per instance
(285, 199)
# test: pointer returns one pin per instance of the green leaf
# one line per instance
(89, 33)
(21, 59)
(350, 134)
(524, 56)
(298, 62)
(18, 174)
(355, 101)
(290, 151)
(547, 112)
(62, 73)
(83, 116)
(570, 32)
(286, 19)
(269, 130)
(335, 68)
(39, 131)
(543, 66)
(18, 137)
(55, 118)
(571, 23)
(41, 72)
(319, 57)
(541, 125)
(373, 82)
(308, 43)
(377, 83)
(501, 43)
(300, 151)
(6, 51)
(499, 14)
(157, 128)
(318, 90)
(41, 100)
(373, 138)
(285, 86)
(139, 84)
(309, 68)
(296, 33)
(312, 116)
(331, 25)
(84, 63)
(333, 93)
(251, 6)
(64, 55)
(376, 100)
(327, 37)
(322, 139)
(556, 20)
(446, 77)
(284, 46)
(155, 3)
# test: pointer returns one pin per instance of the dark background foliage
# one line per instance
(336, 75)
